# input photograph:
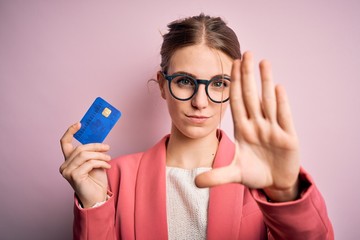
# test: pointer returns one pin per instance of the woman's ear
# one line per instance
(161, 81)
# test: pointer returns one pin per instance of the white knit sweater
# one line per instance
(187, 205)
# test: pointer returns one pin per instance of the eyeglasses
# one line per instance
(183, 87)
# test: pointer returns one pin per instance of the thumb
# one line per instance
(218, 176)
(66, 140)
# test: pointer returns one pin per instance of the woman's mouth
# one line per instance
(197, 118)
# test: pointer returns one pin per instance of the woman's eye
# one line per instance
(220, 84)
(185, 82)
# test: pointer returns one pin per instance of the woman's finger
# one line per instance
(87, 167)
(91, 147)
(237, 106)
(268, 91)
(81, 158)
(249, 89)
(284, 117)
(67, 138)
(218, 176)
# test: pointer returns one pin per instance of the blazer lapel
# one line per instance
(225, 203)
(150, 212)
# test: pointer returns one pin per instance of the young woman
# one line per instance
(257, 188)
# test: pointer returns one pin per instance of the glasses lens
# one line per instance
(182, 87)
(219, 89)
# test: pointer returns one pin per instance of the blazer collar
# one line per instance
(225, 201)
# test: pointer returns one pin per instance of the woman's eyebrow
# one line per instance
(192, 75)
(186, 73)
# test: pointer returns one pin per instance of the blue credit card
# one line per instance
(97, 122)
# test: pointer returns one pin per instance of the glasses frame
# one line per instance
(197, 82)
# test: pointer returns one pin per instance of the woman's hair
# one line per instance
(211, 31)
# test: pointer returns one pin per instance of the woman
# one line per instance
(259, 189)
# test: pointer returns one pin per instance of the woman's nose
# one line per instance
(200, 99)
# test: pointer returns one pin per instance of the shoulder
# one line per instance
(131, 162)
(126, 161)
(123, 171)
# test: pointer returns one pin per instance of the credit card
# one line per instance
(97, 122)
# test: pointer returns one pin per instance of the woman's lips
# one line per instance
(197, 118)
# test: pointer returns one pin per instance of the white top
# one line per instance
(186, 204)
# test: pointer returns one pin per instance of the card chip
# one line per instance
(106, 112)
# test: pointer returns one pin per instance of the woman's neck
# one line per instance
(189, 153)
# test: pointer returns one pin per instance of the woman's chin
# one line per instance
(195, 132)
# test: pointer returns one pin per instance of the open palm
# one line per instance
(266, 146)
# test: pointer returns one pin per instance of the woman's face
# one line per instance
(198, 117)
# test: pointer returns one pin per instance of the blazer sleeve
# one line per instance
(95, 223)
(305, 218)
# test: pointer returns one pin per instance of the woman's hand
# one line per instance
(266, 145)
(84, 168)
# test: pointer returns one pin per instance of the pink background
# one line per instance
(57, 56)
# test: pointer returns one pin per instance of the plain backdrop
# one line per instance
(56, 57)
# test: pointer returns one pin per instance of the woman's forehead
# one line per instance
(201, 61)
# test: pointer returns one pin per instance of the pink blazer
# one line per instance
(137, 205)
